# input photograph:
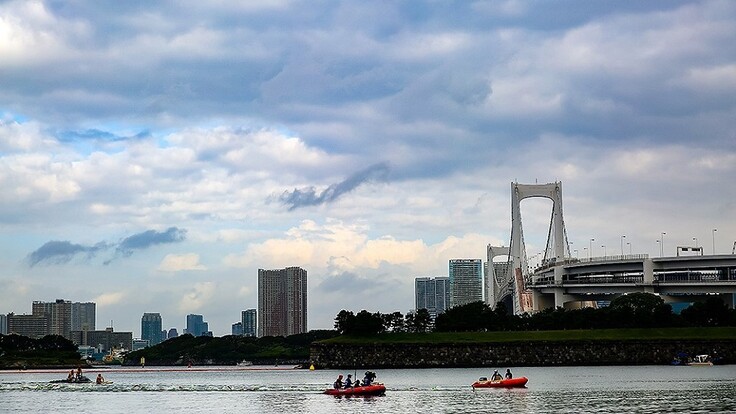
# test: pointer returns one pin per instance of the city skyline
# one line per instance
(173, 151)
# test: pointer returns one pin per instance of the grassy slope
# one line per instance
(571, 335)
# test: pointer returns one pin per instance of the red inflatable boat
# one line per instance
(373, 389)
(504, 383)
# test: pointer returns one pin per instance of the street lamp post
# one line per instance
(590, 250)
(659, 243)
(622, 244)
(584, 249)
(695, 239)
(714, 240)
(661, 246)
(629, 244)
(604, 250)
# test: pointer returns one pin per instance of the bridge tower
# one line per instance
(557, 248)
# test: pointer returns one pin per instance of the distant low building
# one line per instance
(237, 329)
(104, 340)
(86, 351)
(139, 344)
(173, 333)
(32, 326)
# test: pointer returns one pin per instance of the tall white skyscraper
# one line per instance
(466, 281)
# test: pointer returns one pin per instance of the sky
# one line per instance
(155, 155)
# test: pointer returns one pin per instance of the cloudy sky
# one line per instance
(154, 156)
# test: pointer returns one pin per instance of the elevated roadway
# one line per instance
(676, 279)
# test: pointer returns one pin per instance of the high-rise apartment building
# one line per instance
(151, 328)
(282, 301)
(59, 313)
(466, 281)
(196, 326)
(432, 294)
(84, 316)
(65, 316)
(3, 324)
(249, 321)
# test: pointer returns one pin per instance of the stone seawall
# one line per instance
(537, 353)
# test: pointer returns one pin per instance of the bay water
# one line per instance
(275, 390)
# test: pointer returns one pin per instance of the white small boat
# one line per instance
(244, 363)
(701, 361)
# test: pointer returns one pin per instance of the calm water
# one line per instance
(649, 389)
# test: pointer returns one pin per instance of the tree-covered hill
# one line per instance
(51, 351)
(229, 350)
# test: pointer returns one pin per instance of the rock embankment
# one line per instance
(536, 353)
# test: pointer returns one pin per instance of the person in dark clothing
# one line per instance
(496, 376)
(338, 382)
(349, 381)
(508, 374)
(369, 377)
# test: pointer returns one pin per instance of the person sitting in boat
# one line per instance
(368, 379)
(70, 377)
(508, 374)
(496, 376)
(79, 373)
(338, 382)
(349, 381)
(100, 380)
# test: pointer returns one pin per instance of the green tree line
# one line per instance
(635, 310)
(228, 350)
(17, 351)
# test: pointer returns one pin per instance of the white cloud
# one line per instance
(337, 247)
(198, 296)
(180, 262)
(110, 298)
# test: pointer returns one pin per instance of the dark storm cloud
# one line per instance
(310, 197)
(150, 238)
(60, 252)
